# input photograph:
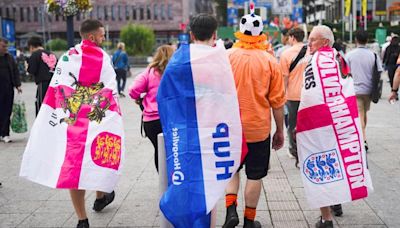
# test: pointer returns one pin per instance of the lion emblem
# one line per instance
(89, 95)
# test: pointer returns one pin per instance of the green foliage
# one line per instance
(57, 45)
(138, 39)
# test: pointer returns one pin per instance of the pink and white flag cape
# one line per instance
(329, 136)
(77, 139)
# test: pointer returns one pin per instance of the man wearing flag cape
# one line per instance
(329, 137)
(199, 113)
(77, 139)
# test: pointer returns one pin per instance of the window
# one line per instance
(21, 14)
(28, 14)
(169, 12)
(1, 12)
(7, 12)
(141, 12)
(112, 13)
(155, 12)
(134, 14)
(14, 14)
(106, 13)
(78, 16)
(91, 14)
(35, 14)
(148, 12)
(50, 17)
(119, 13)
(162, 12)
(127, 14)
(57, 18)
(98, 11)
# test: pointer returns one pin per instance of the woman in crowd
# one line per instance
(147, 82)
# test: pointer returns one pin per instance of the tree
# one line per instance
(138, 39)
(57, 45)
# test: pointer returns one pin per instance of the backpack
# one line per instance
(377, 83)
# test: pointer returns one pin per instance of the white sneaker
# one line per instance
(6, 139)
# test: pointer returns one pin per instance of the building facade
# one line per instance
(165, 17)
(331, 10)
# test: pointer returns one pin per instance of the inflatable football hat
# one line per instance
(250, 34)
(251, 24)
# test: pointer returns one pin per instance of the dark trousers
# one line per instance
(152, 129)
(121, 79)
(391, 70)
(40, 93)
(293, 107)
(6, 103)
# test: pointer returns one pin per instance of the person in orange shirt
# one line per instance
(260, 87)
(293, 62)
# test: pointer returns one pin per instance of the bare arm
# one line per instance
(396, 84)
(277, 140)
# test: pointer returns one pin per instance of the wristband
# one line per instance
(395, 90)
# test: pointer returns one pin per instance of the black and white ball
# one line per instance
(251, 25)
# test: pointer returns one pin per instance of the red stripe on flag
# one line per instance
(54, 96)
(306, 120)
(76, 143)
(323, 116)
(92, 62)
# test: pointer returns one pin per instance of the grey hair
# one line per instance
(326, 33)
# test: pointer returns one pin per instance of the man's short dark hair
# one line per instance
(285, 32)
(297, 33)
(4, 40)
(203, 26)
(362, 36)
(89, 26)
(35, 42)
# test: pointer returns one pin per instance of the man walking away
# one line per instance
(362, 62)
(120, 61)
(41, 66)
(292, 63)
(390, 58)
(79, 113)
(9, 77)
(260, 88)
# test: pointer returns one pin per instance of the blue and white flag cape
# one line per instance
(199, 112)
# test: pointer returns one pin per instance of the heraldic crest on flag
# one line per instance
(77, 139)
(329, 136)
(199, 112)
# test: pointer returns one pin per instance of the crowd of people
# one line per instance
(267, 85)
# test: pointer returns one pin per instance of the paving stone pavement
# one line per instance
(282, 202)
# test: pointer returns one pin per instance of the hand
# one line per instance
(138, 101)
(19, 89)
(393, 97)
(277, 140)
